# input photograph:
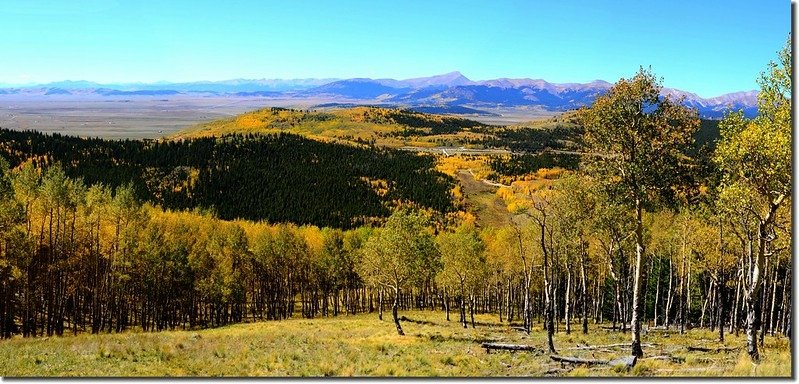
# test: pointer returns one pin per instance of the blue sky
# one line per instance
(708, 47)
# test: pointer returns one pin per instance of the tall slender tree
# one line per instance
(637, 142)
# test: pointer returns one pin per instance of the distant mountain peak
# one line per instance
(450, 79)
(742, 97)
(600, 83)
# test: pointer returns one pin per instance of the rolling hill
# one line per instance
(361, 124)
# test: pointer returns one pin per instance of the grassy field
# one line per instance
(362, 345)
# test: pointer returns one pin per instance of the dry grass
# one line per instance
(364, 346)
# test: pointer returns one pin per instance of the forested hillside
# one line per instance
(278, 177)
(362, 124)
(389, 127)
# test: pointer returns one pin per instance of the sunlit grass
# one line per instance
(362, 345)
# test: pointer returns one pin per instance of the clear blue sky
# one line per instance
(708, 47)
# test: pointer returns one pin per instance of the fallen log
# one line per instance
(627, 361)
(577, 360)
(509, 347)
(521, 329)
(619, 345)
(706, 349)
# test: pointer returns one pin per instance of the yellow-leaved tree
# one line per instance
(755, 159)
(638, 142)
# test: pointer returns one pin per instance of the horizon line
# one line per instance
(32, 84)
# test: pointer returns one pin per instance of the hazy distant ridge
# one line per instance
(447, 90)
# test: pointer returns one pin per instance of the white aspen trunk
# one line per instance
(566, 310)
(637, 299)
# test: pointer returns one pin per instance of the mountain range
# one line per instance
(448, 92)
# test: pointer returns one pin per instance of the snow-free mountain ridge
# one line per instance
(447, 90)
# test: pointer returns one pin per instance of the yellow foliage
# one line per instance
(421, 143)
(516, 197)
(543, 175)
(313, 237)
(550, 174)
(461, 218)
(450, 165)
(248, 122)
(380, 186)
(505, 193)
(457, 192)
(518, 206)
